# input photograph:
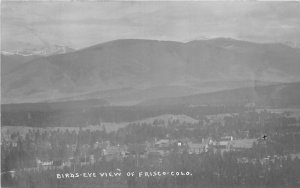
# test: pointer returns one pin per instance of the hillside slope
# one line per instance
(279, 95)
(147, 64)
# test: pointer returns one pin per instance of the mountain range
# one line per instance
(130, 71)
(45, 51)
(13, 58)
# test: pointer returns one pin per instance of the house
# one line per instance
(224, 143)
(44, 164)
(162, 143)
(242, 144)
(157, 152)
(113, 152)
(197, 148)
(101, 145)
(204, 146)
(208, 141)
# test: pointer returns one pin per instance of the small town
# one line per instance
(152, 146)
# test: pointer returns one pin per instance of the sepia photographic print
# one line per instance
(150, 94)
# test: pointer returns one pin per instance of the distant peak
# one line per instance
(44, 51)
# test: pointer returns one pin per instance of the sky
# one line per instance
(82, 24)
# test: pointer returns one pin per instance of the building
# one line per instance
(113, 152)
(197, 148)
(162, 143)
(242, 144)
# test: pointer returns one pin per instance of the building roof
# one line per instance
(162, 141)
(243, 143)
(196, 145)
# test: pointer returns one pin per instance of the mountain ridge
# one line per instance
(139, 63)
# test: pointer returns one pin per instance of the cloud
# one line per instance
(83, 24)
